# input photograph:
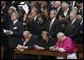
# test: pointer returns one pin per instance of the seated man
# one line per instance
(30, 40)
(65, 44)
(45, 41)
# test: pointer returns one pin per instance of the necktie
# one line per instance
(51, 24)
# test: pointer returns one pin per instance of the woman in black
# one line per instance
(41, 25)
(45, 41)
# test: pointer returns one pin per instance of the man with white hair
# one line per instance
(80, 18)
(58, 8)
(64, 44)
(73, 28)
(30, 40)
(66, 10)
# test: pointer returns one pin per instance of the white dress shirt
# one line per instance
(35, 18)
(52, 23)
(15, 22)
(65, 12)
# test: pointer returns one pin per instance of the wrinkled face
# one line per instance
(13, 17)
(44, 36)
(60, 38)
(63, 8)
(10, 11)
(33, 13)
(52, 14)
(72, 17)
(26, 36)
(56, 4)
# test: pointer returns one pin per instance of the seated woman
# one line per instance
(45, 41)
(65, 44)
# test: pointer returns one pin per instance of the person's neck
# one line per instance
(14, 20)
(30, 36)
(74, 19)
(53, 18)
(63, 39)
(47, 40)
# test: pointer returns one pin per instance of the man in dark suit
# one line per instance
(53, 26)
(58, 9)
(35, 21)
(4, 8)
(73, 28)
(30, 41)
(14, 34)
(34, 13)
(66, 10)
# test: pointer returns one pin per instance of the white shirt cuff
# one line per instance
(61, 50)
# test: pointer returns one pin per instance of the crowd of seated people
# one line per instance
(38, 24)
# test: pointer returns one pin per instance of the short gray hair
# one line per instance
(65, 4)
(13, 8)
(73, 13)
(54, 11)
(79, 16)
(60, 34)
(58, 2)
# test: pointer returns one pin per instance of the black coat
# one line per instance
(73, 30)
(45, 44)
(33, 27)
(16, 37)
(33, 41)
(56, 27)
(41, 27)
(59, 13)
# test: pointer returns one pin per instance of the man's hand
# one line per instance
(40, 48)
(54, 48)
(24, 47)
(8, 32)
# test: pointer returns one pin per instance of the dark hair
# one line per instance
(42, 16)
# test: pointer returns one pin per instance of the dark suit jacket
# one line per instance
(59, 13)
(56, 27)
(33, 41)
(73, 30)
(33, 27)
(16, 37)
(5, 11)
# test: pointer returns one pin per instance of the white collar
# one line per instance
(58, 8)
(66, 10)
(53, 19)
(15, 21)
(35, 17)
(73, 21)
(4, 6)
